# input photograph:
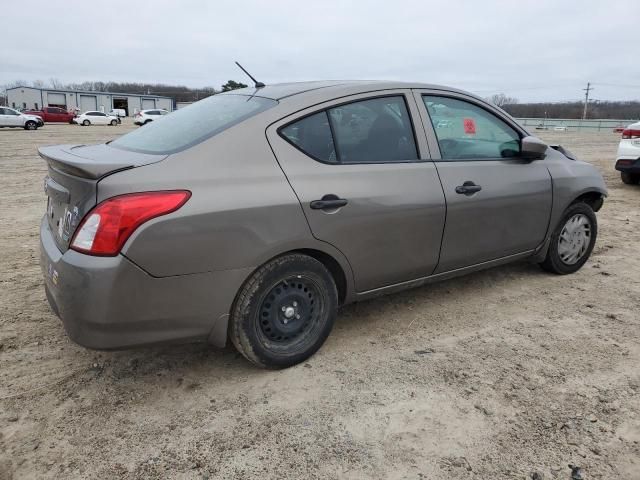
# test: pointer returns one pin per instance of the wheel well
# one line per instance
(334, 268)
(593, 199)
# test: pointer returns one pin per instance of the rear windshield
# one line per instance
(193, 124)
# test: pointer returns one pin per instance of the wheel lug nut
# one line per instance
(298, 317)
(284, 308)
(295, 304)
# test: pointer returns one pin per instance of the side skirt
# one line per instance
(378, 292)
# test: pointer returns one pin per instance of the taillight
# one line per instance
(106, 228)
(630, 133)
(624, 163)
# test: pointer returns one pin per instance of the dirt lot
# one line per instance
(496, 375)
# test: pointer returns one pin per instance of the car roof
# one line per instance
(279, 91)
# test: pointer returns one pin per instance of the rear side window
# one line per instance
(468, 132)
(193, 124)
(373, 131)
(377, 130)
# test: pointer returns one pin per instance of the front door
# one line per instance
(366, 184)
(498, 204)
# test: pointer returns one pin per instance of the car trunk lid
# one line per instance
(71, 184)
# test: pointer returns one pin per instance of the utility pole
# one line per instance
(586, 99)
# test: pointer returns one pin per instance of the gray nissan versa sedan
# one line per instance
(252, 215)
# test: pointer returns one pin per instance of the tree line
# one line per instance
(597, 109)
(600, 110)
(624, 110)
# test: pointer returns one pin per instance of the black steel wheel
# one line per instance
(284, 312)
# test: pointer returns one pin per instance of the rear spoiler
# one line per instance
(94, 161)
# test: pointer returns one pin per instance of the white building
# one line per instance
(36, 98)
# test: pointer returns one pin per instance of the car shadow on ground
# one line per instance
(158, 361)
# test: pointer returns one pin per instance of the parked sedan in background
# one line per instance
(95, 118)
(253, 214)
(145, 116)
(14, 119)
(628, 157)
(53, 115)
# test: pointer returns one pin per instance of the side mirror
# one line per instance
(532, 148)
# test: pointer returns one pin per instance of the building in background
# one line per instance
(36, 98)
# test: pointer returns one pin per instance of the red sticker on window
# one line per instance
(469, 126)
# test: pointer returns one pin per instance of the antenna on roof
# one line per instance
(257, 83)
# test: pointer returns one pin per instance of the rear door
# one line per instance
(498, 204)
(366, 184)
(100, 118)
(10, 118)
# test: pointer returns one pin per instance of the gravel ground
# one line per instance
(499, 374)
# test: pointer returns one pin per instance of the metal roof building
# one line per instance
(31, 97)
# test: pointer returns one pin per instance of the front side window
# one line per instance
(193, 124)
(377, 130)
(467, 132)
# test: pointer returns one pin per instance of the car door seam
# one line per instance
(304, 215)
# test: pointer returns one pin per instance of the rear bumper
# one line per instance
(628, 165)
(110, 303)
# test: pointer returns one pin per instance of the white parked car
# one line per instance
(628, 156)
(145, 116)
(95, 118)
(14, 119)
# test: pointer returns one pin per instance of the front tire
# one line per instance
(284, 312)
(630, 178)
(114, 123)
(86, 123)
(31, 125)
(572, 241)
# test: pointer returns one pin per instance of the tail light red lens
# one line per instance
(106, 228)
(631, 133)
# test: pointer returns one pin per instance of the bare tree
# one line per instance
(56, 84)
(500, 100)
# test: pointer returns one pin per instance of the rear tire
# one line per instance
(284, 312)
(569, 251)
(86, 123)
(31, 125)
(630, 178)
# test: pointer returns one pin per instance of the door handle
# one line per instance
(328, 202)
(468, 188)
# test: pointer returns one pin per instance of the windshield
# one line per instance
(193, 124)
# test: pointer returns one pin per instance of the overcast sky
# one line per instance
(533, 50)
